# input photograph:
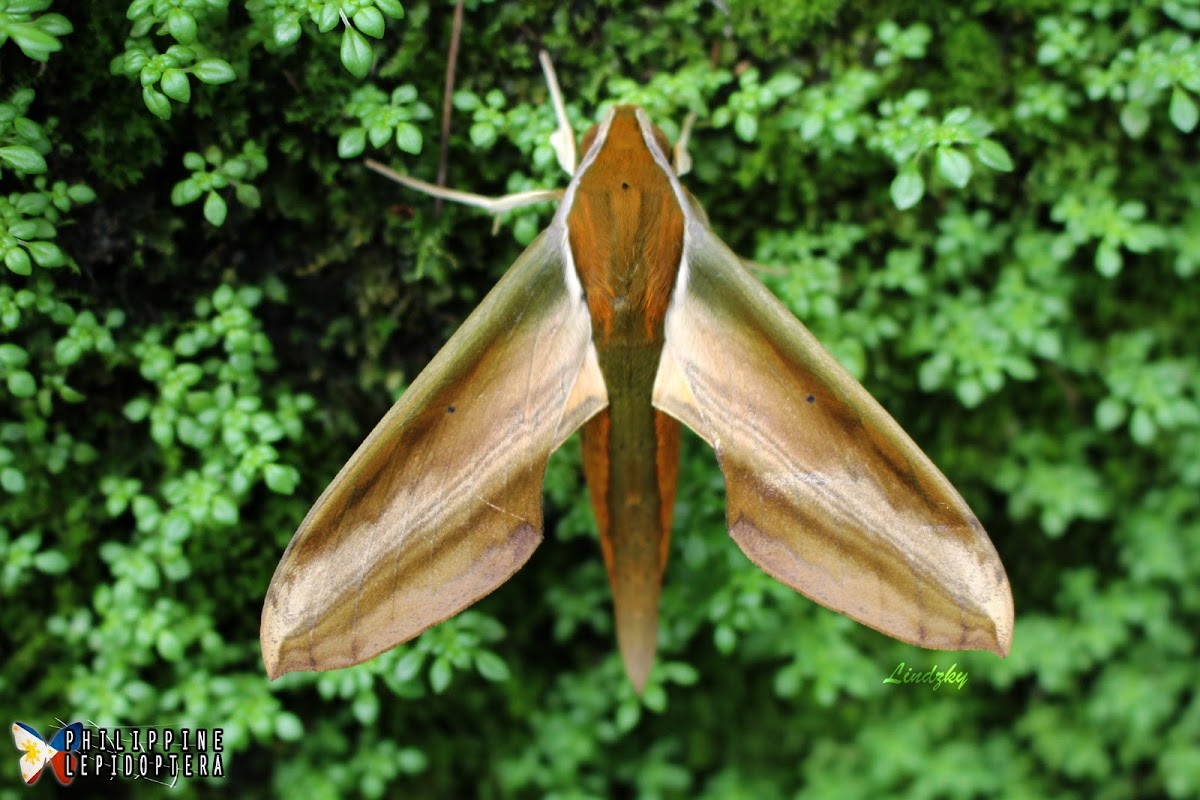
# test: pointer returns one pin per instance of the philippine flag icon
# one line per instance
(37, 752)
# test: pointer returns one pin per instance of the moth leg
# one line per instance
(681, 159)
(492, 205)
(563, 138)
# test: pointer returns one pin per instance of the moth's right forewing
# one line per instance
(825, 492)
(442, 502)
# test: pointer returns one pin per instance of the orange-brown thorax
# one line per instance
(625, 230)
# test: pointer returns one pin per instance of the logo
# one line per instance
(60, 753)
(157, 753)
(952, 676)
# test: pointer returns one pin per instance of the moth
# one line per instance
(624, 318)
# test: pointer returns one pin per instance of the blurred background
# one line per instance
(987, 211)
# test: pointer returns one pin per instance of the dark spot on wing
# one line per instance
(450, 410)
(811, 399)
(624, 185)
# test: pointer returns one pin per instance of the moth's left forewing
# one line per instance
(825, 491)
(443, 501)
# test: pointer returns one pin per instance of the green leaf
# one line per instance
(213, 71)
(379, 132)
(24, 229)
(157, 102)
(280, 478)
(175, 85)
(53, 24)
(224, 510)
(1142, 427)
(168, 645)
(356, 53)
(67, 352)
(440, 675)
(408, 666)
(81, 194)
(365, 708)
(970, 392)
(215, 209)
(288, 727)
(327, 16)
(992, 154)
(369, 21)
(17, 260)
(954, 166)
(186, 191)
(32, 205)
(137, 8)
(193, 161)
(34, 42)
(391, 7)
(1108, 260)
(491, 666)
(1110, 413)
(1183, 111)
(51, 562)
(286, 31)
(12, 480)
(907, 188)
(21, 384)
(1135, 119)
(46, 254)
(12, 355)
(181, 25)
(746, 127)
(24, 159)
(408, 138)
(352, 142)
(247, 194)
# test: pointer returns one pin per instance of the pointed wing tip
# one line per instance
(270, 641)
(1004, 625)
(271, 662)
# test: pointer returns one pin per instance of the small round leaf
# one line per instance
(907, 188)
(213, 71)
(491, 666)
(352, 143)
(1183, 111)
(408, 138)
(391, 7)
(215, 209)
(17, 260)
(369, 21)
(356, 53)
(21, 384)
(1135, 119)
(176, 86)
(157, 102)
(24, 159)
(46, 254)
(247, 194)
(954, 166)
(51, 562)
(12, 480)
(992, 154)
(286, 32)
(181, 25)
(184, 192)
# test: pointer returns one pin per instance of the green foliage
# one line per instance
(208, 183)
(988, 215)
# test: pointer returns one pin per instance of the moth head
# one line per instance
(624, 127)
